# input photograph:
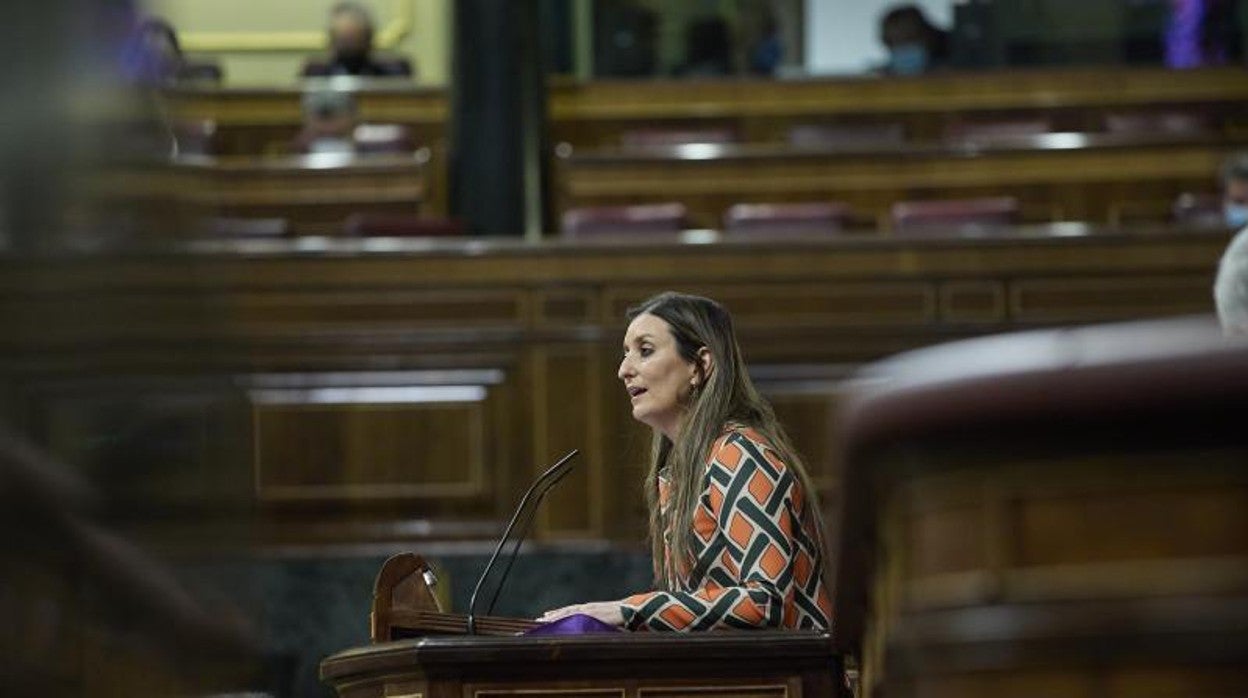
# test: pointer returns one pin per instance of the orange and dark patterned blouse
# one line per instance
(757, 557)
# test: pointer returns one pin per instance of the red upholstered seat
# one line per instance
(399, 225)
(247, 228)
(910, 215)
(641, 218)
(840, 135)
(383, 138)
(1199, 209)
(990, 130)
(656, 138)
(814, 217)
(1167, 122)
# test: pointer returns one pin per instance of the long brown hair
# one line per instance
(724, 397)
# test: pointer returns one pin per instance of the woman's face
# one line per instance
(656, 376)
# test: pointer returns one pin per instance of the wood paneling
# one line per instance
(535, 326)
(428, 443)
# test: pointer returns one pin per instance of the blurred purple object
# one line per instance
(575, 624)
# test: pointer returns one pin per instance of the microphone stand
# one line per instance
(536, 492)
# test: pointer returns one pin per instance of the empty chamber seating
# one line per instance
(399, 225)
(640, 218)
(815, 217)
(911, 215)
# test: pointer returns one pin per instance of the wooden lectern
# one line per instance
(438, 660)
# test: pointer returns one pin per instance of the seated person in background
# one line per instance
(329, 121)
(1235, 190)
(351, 42)
(735, 529)
(1230, 289)
(915, 45)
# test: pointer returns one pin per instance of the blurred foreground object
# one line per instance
(1064, 508)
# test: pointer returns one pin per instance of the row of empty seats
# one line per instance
(672, 217)
(356, 225)
(203, 137)
(823, 217)
(1177, 123)
(788, 217)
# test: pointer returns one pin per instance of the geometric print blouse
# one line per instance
(756, 564)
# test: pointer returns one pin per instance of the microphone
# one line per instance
(527, 508)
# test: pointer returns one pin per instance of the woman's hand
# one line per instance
(606, 611)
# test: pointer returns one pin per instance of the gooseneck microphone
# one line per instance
(524, 511)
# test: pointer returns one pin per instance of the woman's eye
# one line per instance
(646, 351)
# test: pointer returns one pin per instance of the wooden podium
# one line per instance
(418, 650)
(730, 664)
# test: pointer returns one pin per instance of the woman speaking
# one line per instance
(735, 529)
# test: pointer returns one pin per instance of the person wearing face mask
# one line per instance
(735, 529)
(1235, 191)
(351, 32)
(915, 45)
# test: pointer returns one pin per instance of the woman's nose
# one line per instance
(625, 370)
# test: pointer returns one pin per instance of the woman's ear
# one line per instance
(706, 363)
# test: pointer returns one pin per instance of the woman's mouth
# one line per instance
(634, 392)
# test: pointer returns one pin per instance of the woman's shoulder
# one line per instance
(739, 443)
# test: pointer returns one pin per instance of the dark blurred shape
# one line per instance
(1056, 507)
(351, 32)
(639, 218)
(816, 217)
(153, 56)
(624, 39)
(397, 225)
(915, 45)
(914, 215)
(708, 49)
(378, 67)
(767, 52)
(70, 586)
(974, 40)
(199, 137)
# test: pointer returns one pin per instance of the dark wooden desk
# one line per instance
(1057, 176)
(594, 114)
(315, 193)
(764, 664)
(1049, 513)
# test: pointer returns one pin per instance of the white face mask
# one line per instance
(1235, 215)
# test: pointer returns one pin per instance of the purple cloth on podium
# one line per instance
(575, 624)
